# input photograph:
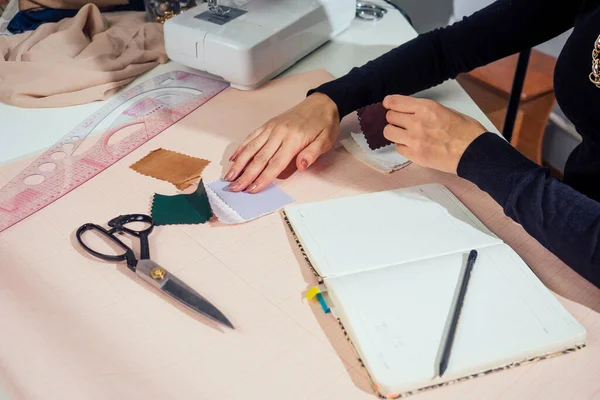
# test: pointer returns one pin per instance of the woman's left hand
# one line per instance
(428, 133)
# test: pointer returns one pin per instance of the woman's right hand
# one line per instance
(305, 131)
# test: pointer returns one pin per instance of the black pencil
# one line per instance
(448, 337)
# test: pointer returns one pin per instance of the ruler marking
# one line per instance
(185, 92)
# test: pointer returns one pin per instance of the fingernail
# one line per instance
(234, 185)
(232, 158)
(304, 163)
(229, 175)
(252, 188)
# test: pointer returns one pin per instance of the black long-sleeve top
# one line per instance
(562, 216)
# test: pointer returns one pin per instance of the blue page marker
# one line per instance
(323, 303)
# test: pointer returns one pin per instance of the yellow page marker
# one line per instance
(312, 292)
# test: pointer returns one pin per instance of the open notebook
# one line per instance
(390, 262)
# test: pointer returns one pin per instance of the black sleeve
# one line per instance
(563, 220)
(505, 27)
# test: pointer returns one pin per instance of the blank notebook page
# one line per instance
(395, 317)
(386, 228)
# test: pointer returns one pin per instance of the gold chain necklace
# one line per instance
(595, 74)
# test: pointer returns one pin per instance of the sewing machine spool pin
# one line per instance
(369, 11)
(162, 10)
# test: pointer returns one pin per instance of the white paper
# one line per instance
(391, 262)
(386, 228)
(396, 315)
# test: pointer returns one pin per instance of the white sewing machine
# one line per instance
(247, 42)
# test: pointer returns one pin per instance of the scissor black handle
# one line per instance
(127, 252)
(119, 224)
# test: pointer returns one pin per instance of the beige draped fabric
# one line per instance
(78, 60)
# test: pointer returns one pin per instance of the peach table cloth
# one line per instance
(78, 60)
(74, 327)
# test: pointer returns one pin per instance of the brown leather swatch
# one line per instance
(179, 169)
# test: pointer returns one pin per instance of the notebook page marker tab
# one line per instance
(323, 303)
(317, 292)
(312, 292)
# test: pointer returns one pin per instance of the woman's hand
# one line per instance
(428, 133)
(307, 130)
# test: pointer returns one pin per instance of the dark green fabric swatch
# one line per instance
(191, 208)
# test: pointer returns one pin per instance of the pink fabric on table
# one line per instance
(73, 327)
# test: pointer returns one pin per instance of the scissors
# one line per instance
(147, 269)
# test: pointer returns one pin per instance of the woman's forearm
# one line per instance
(501, 29)
(563, 220)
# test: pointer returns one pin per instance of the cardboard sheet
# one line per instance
(74, 327)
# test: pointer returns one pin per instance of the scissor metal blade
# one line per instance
(190, 298)
(158, 277)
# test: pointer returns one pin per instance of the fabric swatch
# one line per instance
(251, 205)
(179, 169)
(385, 159)
(191, 208)
(385, 155)
(76, 60)
(225, 214)
(372, 122)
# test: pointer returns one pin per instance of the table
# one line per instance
(84, 330)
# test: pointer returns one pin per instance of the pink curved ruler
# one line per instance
(151, 106)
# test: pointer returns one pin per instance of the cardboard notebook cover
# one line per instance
(571, 331)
